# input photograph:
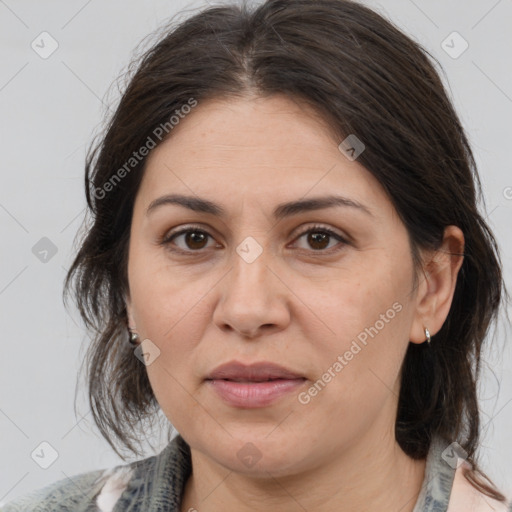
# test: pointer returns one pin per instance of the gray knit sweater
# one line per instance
(156, 484)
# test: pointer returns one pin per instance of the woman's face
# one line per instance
(252, 287)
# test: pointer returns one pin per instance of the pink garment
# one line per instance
(465, 498)
(113, 488)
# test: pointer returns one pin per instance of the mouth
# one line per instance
(255, 381)
(256, 372)
(259, 384)
(250, 394)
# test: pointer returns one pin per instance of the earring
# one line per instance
(133, 338)
(427, 334)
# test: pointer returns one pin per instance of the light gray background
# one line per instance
(50, 109)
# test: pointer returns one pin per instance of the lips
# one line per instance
(256, 372)
(253, 386)
(254, 394)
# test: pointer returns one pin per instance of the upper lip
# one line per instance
(260, 371)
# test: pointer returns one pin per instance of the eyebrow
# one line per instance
(282, 211)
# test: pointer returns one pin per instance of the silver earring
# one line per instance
(427, 334)
(133, 339)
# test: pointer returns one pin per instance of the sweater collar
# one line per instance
(158, 482)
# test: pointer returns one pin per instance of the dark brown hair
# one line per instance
(363, 76)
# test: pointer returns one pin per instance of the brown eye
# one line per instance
(193, 239)
(319, 237)
(318, 240)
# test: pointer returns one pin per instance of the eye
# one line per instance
(195, 239)
(319, 238)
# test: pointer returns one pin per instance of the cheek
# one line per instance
(178, 373)
(169, 309)
(368, 318)
(362, 302)
(358, 379)
(176, 327)
(158, 292)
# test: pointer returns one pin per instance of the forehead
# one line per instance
(277, 124)
(257, 148)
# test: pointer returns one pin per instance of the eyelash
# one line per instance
(167, 239)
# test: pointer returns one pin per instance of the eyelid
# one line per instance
(168, 235)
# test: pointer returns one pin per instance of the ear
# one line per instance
(437, 285)
(129, 313)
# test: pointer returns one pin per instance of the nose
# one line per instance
(253, 298)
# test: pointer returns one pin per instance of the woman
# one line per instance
(286, 257)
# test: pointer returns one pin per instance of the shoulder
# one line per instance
(123, 487)
(465, 496)
(76, 493)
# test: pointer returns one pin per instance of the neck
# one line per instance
(365, 476)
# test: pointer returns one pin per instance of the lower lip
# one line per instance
(254, 394)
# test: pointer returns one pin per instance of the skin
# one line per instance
(294, 305)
